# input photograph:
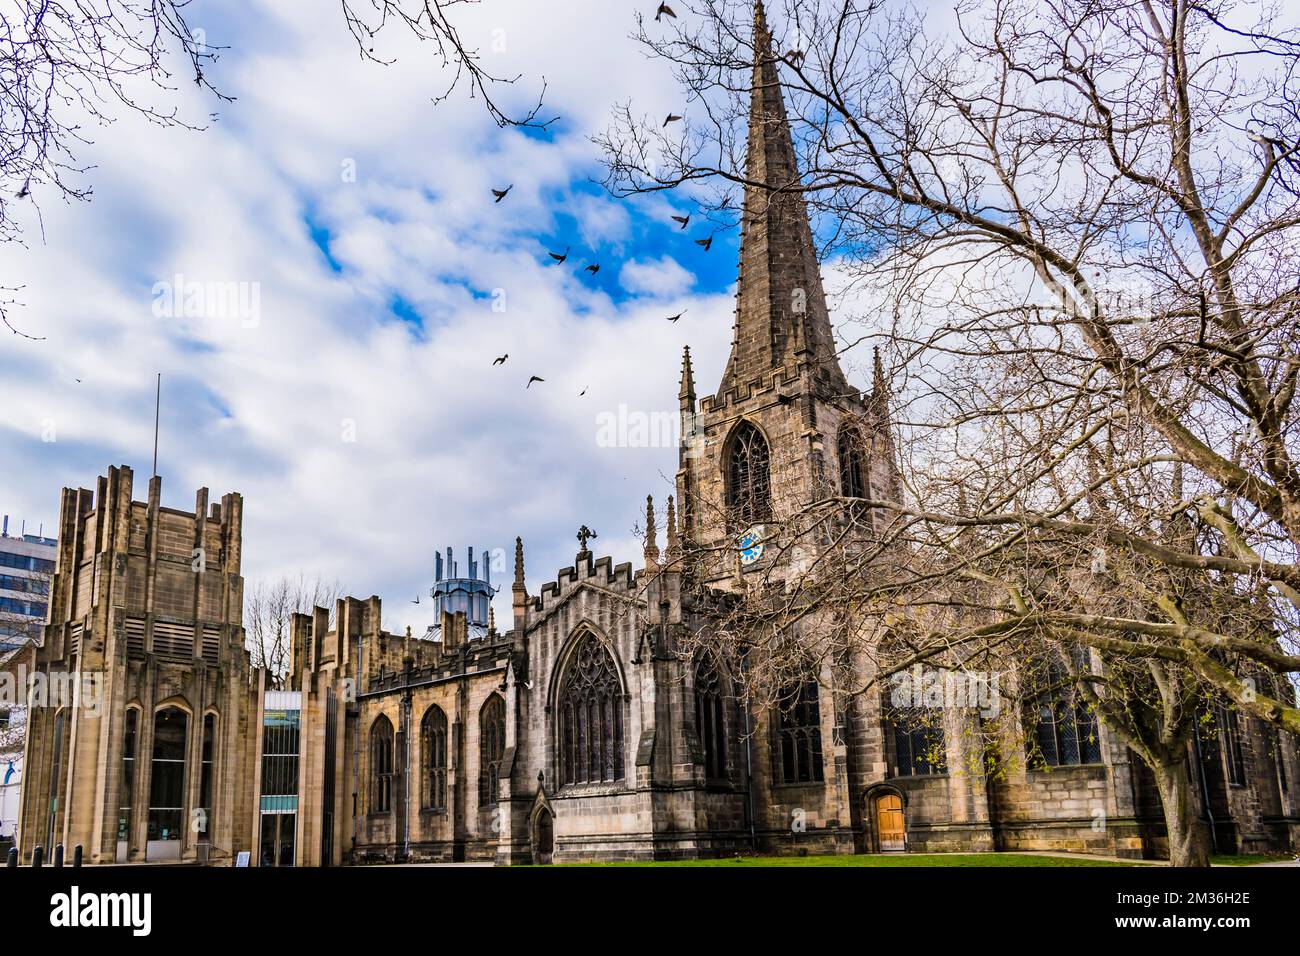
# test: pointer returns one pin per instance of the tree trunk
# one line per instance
(1187, 845)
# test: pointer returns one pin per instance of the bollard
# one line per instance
(58, 854)
(38, 855)
(76, 855)
(13, 858)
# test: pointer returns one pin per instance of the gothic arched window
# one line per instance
(1065, 730)
(492, 747)
(749, 480)
(381, 766)
(433, 738)
(918, 740)
(854, 481)
(591, 717)
(799, 735)
(709, 720)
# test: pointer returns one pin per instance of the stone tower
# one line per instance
(783, 404)
(154, 755)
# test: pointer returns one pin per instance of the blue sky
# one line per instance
(350, 393)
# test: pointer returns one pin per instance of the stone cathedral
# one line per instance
(578, 732)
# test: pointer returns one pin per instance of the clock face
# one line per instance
(751, 544)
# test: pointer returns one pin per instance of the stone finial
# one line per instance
(687, 392)
(879, 382)
(492, 620)
(651, 544)
(519, 566)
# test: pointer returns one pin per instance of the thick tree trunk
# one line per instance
(1187, 844)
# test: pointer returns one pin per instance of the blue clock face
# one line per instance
(751, 545)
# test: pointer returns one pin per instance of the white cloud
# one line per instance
(661, 277)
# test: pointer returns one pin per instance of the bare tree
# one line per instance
(431, 22)
(268, 614)
(1077, 227)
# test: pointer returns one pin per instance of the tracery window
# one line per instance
(492, 747)
(749, 482)
(799, 735)
(433, 734)
(591, 717)
(853, 464)
(381, 766)
(918, 740)
(1065, 729)
(1234, 759)
(709, 720)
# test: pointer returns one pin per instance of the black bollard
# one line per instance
(38, 855)
(76, 855)
(13, 858)
(58, 854)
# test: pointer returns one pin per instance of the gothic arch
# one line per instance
(854, 461)
(492, 747)
(590, 715)
(747, 474)
(580, 631)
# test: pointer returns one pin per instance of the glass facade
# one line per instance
(281, 738)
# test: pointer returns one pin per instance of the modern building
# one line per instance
(26, 566)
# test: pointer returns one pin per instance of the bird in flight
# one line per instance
(664, 11)
(593, 268)
(682, 219)
(417, 599)
(672, 118)
(501, 193)
(795, 56)
(583, 392)
(674, 318)
(559, 258)
(706, 243)
(501, 359)
(534, 378)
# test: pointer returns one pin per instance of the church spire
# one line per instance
(781, 315)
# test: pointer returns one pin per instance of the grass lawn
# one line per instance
(886, 860)
(1247, 859)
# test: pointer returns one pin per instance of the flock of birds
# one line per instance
(592, 268)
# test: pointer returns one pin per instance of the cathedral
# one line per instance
(579, 730)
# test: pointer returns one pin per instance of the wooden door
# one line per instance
(889, 823)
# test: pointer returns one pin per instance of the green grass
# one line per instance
(1247, 859)
(885, 860)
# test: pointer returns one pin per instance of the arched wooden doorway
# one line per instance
(543, 836)
(891, 827)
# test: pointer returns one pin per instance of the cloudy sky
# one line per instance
(352, 398)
